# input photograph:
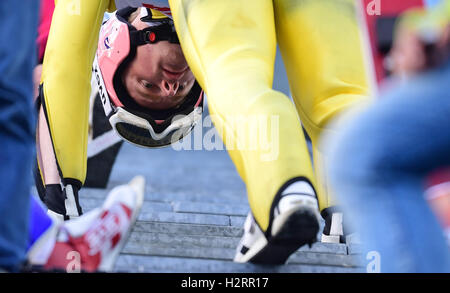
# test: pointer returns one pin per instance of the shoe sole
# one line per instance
(300, 228)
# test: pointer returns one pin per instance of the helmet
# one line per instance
(138, 125)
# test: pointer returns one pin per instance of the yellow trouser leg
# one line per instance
(66, 76)
(230, 46)
(321, 47)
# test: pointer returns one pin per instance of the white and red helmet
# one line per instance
(117, 47)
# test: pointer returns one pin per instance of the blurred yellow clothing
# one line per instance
(230, 46)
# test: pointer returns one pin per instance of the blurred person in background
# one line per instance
(17, 51)
(380, 164)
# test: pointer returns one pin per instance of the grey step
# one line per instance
(305, 257)
(211, 208)
(182, 240)
(186, 218)
(355, 248)
(148, 206)
(158, 264)
(300, 257)
(94, 193)
(181, 196)
(236, 221)
(188, 252)
(332, 248)
(353, 238)
(167, 170)
(240, 199)
(180, 207)
(187, 229)
(159, 211)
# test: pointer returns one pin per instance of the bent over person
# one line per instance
(230, 48)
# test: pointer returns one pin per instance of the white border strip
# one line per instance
(102, 142)
(367, 48)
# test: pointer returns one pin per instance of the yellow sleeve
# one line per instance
(66, 79)
(112, 6)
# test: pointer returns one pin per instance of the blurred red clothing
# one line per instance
(47, 8)
(387, 8)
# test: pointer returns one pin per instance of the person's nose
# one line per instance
(169, 88)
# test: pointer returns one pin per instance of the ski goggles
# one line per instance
(141, 132)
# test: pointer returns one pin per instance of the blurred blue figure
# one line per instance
(18, 26)
(379, 164)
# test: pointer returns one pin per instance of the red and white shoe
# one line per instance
(93, 241)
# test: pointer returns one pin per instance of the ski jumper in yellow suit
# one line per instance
(230, 46)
